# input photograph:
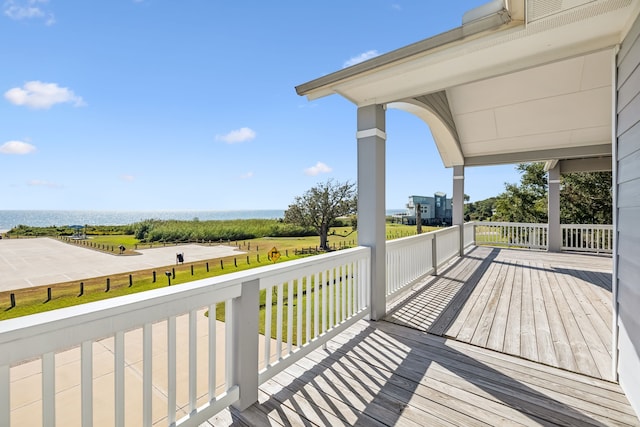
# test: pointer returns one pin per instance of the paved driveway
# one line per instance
(43, 261)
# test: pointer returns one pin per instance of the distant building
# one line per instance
(434, 210)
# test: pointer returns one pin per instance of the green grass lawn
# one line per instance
(34, 300)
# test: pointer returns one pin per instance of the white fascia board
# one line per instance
(508, 50)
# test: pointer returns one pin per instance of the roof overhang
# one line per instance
(530, 86)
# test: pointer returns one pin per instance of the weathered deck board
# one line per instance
(512, 336)
(584, 362)
(499, 328)
(528, 342)
(546, 307)
(544, 339)
(487, 316)
(455, 307)
(563, 352)
(384, 374)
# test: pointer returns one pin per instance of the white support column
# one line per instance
(371, 199)
(458, 203)
(554, 237)
(245, 343)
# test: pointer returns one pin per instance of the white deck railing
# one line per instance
(587, 238)
(329, 291)
(469, 234)
(447, 244)
(512, 234)
(411, 258)
(575, 237)
(324, 295)
(408, 259)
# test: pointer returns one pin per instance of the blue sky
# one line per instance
(157, 104)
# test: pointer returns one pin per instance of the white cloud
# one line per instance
(41, 183)
(127, 177)
(238, 135)
(360, 58)
(317, 169)
(28, 9)
(39, 95)
(396, 6)
(247, 175)
(17, 147)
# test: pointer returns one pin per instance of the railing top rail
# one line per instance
(512, 224)
(410, 239)
(593, 226)
(452, 229)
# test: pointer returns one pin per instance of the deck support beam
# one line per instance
(554, 237)
(371, 199)
(458, 203)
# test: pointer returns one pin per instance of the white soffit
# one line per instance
(558, 105)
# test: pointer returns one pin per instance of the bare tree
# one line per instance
(319, 206)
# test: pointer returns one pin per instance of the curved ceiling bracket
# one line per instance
(434, 111)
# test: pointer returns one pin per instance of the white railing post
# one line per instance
(48, 389)
(5, 396)
(245, 343)
(434, 254)
(473, 234)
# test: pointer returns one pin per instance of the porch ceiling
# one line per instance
(561, 105)
(534, 91)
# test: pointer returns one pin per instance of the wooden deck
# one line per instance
(383, 374)
(513, 315)
(549, 308)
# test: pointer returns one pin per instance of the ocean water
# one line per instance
(46, 218)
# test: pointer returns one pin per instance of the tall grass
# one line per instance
(65, 230)
(239, 229)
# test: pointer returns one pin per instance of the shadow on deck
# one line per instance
(382, 374)
(550, 308)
